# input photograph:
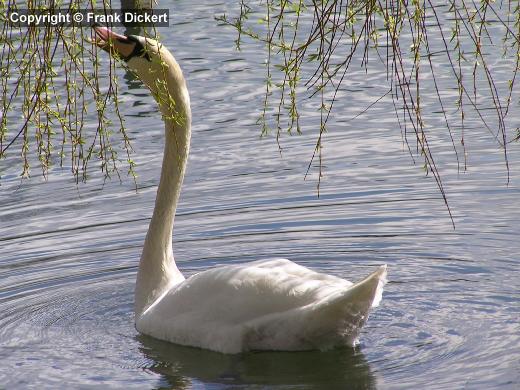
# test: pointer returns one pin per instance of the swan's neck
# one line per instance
(157, 269)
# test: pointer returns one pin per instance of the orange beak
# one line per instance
(112, 42)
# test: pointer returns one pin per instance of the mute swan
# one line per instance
(262, 305)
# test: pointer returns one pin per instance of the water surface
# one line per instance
(450, 317)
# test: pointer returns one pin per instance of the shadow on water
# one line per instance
(179, 366)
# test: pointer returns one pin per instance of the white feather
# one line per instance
(263, 305)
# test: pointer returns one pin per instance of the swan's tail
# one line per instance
(377, 279)
(344, 313)
(364, 294)
(334, 321)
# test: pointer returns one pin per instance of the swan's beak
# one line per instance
(112, 42)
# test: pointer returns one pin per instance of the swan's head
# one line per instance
(153, 64)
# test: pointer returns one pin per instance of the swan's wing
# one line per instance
(333, 321)
(220, 307)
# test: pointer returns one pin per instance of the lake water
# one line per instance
(450, 315)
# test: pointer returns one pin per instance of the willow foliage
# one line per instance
(50, 76)
(311, 46)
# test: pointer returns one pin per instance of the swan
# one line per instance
(270, 304)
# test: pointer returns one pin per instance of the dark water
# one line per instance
(450, 316)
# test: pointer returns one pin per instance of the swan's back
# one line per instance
(270, 304)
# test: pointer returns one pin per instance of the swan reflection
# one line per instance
(183, 367)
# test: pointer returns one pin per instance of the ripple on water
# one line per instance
(82, 332)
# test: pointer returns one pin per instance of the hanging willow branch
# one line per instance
(50, 77)
(311, 49)
(312, 46)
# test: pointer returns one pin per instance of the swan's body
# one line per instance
(263, 305)
(270, 304)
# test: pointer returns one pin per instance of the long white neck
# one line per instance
(157, 269)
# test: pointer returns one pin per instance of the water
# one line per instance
(450, 316)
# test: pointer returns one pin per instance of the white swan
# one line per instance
(262, 305)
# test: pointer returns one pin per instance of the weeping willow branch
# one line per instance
(312, 49)
(50, 76)
(312, 46)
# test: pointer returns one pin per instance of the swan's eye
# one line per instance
(139, 49)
